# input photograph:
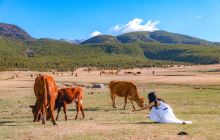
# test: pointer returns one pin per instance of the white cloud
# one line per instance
(95, 33)
(135, 25)
(196, 16)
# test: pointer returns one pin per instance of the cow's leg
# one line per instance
(43, 113)
(125, 101)
(65, 110)
(58, 111)
(48, 114)
(113, 100)
(39, 117)
(132, 104)
(52, 104)
(82, 110)
(37, 113)
(77, 109)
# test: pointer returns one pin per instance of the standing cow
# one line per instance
(46, 92)
(127, 90)
(68, 95)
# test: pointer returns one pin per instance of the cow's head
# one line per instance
(38, 115)
(141, 102)
(34, 110)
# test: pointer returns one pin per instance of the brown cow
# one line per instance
(68, 95)
(46, 92)
(127, 90)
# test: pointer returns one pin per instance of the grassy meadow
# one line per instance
(193, 100)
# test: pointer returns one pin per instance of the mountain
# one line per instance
(144, 36)
(134, 37)
(76, 41)
(12, 31)
(173, 38)
(101, 39)
(135, 49)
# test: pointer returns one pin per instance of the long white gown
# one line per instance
(164, 114)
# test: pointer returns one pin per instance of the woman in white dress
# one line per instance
(160, 111)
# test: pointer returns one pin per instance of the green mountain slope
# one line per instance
(172, 38)
(136, 49)
(135, 37)
(143, 36)
(101, 39)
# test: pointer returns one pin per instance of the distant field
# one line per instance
(193, 92)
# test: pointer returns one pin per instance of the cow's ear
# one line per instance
(31, 106)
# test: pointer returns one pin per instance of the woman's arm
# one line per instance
(145, 107)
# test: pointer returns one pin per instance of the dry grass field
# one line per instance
(192, 91)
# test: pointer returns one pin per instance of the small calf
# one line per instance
(68, 95)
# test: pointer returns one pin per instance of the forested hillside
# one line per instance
(138, 49)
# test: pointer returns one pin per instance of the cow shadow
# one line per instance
(4, 122)
(87, 109)
(12, 123)
(7, 123)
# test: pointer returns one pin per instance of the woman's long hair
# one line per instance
(152, 97)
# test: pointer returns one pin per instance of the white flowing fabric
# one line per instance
(164, 114)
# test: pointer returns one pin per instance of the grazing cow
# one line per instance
(68, 95)
(46, 92)
(138, 73)
(128, 72)
(127, 90)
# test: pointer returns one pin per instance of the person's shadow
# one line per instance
(146, 123)
(134, 123)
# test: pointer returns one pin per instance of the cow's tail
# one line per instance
(45, 94)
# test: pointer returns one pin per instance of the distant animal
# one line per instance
(182, 133)
(68, 95)
(112, 72)
(125, 89)
(138, 73)
(128, 72)
(46, 93)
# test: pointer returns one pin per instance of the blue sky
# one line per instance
(77, 19)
